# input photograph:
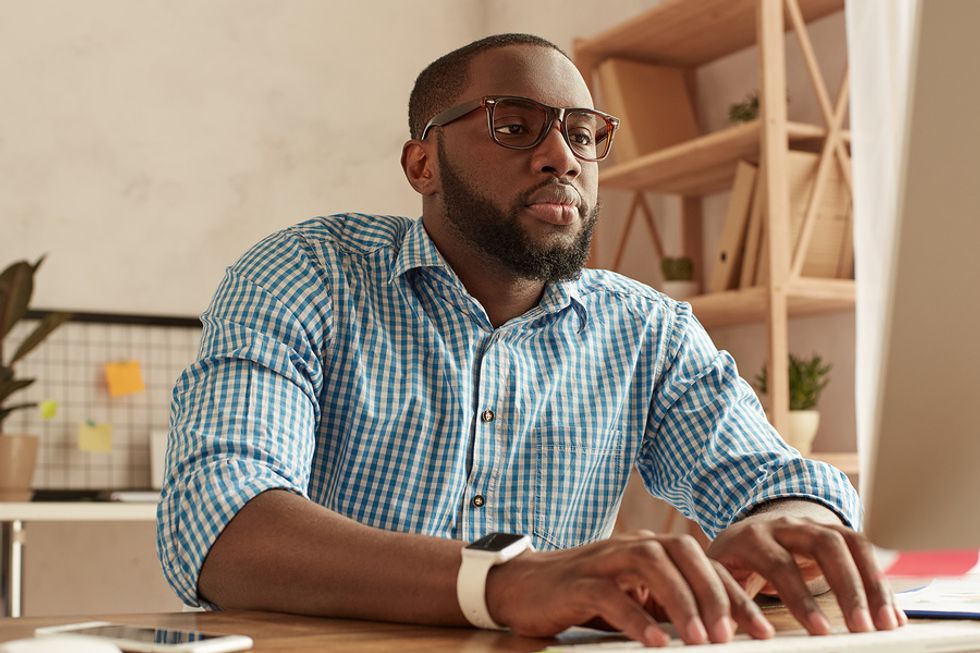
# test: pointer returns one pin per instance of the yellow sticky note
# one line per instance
(49, 408)
(96, 438)
(125, 378)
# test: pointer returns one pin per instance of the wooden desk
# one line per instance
(279, 633)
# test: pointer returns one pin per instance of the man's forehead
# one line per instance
(537, 72)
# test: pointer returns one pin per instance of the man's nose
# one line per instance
(554, 156)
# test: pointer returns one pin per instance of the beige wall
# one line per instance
(146, 144)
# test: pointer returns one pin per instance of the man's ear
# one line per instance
(419, 165)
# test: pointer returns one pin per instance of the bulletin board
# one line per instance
(89, 438)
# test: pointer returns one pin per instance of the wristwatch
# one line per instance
(478, 558)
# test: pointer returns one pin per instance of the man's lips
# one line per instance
(555, 204)
(558, 214)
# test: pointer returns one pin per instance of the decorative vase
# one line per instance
(18, 454)
(803, 425)
(679, 289)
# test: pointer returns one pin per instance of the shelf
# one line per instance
(748, 305)
(684, 33)
(846, 461)
(700, 166)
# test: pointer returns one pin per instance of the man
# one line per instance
(372, 393)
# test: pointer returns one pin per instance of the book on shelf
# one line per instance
(652, 103)
(728, 257)
(829, 254)
(753, 236)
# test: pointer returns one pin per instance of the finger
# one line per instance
(624, 614)
(754, 584)
(668, 587)
(702, 577)
(744, 610)
(774, 563)
(828, 547)
(903, 618)
(881, 599)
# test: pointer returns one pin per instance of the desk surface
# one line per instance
(279, 633)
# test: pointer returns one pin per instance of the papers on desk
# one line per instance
(944, 598)
(951, 637)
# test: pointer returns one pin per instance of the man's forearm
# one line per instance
(793, 507)
(284, 553)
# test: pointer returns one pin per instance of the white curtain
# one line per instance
(879, 34)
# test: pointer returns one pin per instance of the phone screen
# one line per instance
(142, 634)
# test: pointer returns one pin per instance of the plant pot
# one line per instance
(803, 425)
(679, 289)
(18, 454)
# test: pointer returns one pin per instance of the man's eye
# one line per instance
(512, 129)
(582, 137)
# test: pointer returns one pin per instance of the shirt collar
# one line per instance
(561, 294)
(418, 251)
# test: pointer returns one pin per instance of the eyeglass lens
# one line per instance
(522, 124)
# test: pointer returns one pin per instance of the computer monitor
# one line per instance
(923, 488)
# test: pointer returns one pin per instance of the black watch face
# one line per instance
(494, 542)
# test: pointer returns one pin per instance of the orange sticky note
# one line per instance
(125, 378)
(96, 438)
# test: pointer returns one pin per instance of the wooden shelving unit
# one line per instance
(686, 33)
(702, 166)
(749, 305)
(689, 34)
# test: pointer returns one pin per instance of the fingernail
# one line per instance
(819, 623)
(862, 619)
(902, 617)
(762, 625)
(696, 632)
(887, 616)
(655, 637)
(721, 631)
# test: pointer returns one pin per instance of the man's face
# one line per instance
(533, 211)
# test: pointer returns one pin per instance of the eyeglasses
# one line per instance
(520, 123)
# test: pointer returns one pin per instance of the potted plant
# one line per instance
(679, 280)
(18, 452)
(807, 379)
(745, 111)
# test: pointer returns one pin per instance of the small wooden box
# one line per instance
(652, 102)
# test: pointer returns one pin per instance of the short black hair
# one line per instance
(440, 84)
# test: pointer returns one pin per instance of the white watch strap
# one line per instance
(471, 588)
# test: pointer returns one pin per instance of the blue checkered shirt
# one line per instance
(343, 360)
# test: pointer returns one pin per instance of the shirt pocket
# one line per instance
(578, 487)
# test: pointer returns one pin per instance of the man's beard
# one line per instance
(499, 234)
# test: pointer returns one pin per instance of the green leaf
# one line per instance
(50, 322)
(9, 409)
(7, 388)
(16, 288)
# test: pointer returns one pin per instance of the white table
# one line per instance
(13, 516)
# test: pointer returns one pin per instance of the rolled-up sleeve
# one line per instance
(709, 449)
(243, 416)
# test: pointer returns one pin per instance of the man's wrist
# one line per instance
(794, 507)
(502, 580)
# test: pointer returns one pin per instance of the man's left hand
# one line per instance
(796, 548)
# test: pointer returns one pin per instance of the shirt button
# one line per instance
(478, 501)
(487, 416)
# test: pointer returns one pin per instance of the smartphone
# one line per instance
(144, 639)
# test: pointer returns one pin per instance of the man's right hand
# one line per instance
(627, 582)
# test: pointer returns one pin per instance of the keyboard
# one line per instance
(947, 637)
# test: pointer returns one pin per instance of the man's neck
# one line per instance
(503, 295)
